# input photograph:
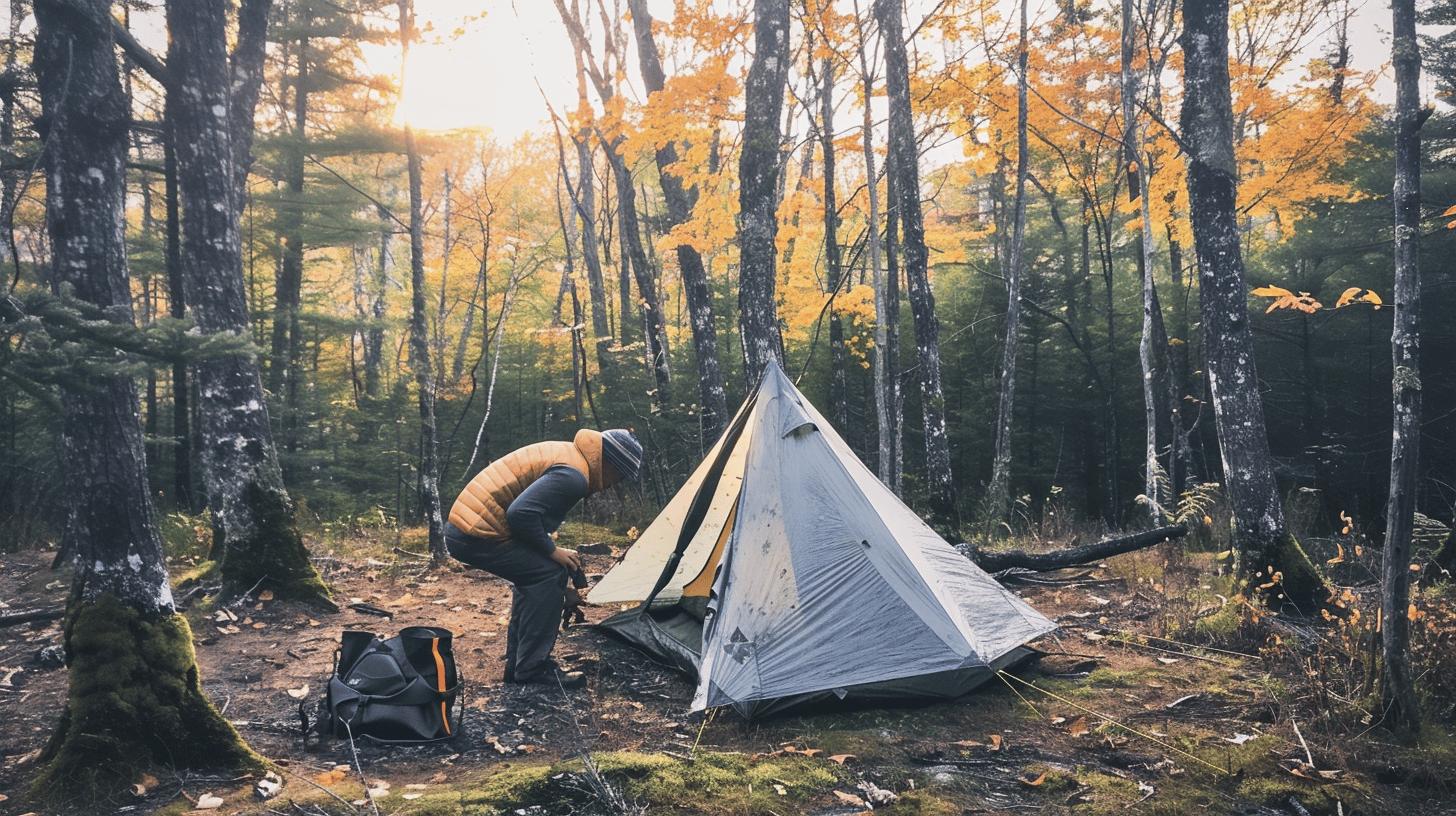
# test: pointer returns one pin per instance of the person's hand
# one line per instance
(567, 558)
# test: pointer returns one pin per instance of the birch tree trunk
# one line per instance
(1138, 170)
(758, 183)
(419, 329)
(1261, 537)
(892, 335)
(998, 497)
(1397, 688)
(634, 256)
(695, 284)
(585, 202)
(885, 461)
(134, 700)
(904, 164)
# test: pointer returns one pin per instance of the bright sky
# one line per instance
(480, 69)
(487, 75)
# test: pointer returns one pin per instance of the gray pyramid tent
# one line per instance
(785, 573)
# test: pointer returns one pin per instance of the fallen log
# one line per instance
(995, 561)
(48, 613)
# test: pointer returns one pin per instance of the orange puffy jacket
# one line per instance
(481, 508)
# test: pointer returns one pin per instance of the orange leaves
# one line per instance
(1355, 295)
(1281, 298)
(1285, 299)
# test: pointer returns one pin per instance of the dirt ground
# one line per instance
(1111, 725)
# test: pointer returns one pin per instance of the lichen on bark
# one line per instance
(135, 704)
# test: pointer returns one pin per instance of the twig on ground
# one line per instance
(363, 780)
(1307, 755)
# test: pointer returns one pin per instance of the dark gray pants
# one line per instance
(538, 588)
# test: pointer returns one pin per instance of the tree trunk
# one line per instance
(834, 272)
(135, 701)
(690, 264)
(419, 329)
(885, 433)
(758, 175)
(634, 256)
(1261, 538)
(182, 490)
(1397, 688)
(995, 561)
(904, 164)
(374, 337)
(441, 305)
(998, 497)
(255, 537)
(585, 201)
(287, 350)
(892, 335)
(1149, 353)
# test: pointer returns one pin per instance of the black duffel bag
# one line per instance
(402, 690)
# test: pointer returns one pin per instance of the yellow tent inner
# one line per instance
(703, 582)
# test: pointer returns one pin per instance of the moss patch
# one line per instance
(135, 703)
(273, 556)
(718, 784)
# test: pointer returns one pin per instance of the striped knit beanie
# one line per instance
(623, 452)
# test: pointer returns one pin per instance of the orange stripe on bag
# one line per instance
(440, 681)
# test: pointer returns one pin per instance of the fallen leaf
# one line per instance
(265, 595)
(208, 802)
(439, 777)
(141, 788)
(780, 789)
(840, 759)
(995, 742)
(1168, 661)
(299, 693)
(1239, 739)
(1078, 727)
(849, 799)
(333, 777)
(1031, 782)
(268, 787)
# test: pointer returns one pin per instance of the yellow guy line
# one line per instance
(707, 718)
(1128, 728)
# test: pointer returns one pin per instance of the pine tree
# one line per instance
(135, 701)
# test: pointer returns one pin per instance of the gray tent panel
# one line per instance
(827, 584)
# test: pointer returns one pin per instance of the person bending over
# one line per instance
(503, 522)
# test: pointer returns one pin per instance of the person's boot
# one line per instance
(554, 676)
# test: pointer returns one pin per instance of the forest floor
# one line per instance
(1117, 722)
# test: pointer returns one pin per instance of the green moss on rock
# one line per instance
(134, 704)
